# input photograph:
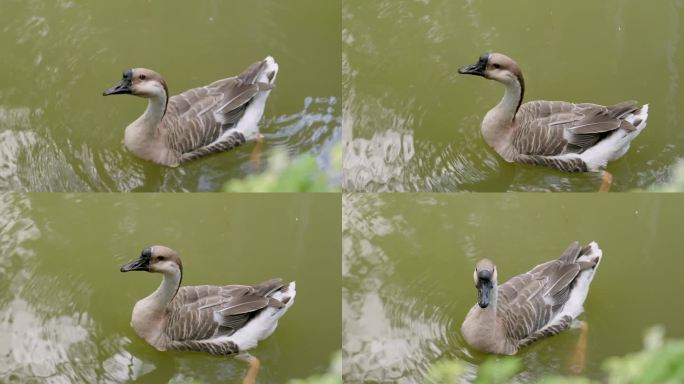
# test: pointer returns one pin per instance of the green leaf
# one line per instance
(445, 372)
(498, 370)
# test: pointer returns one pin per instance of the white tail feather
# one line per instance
(249, 123)
(265, 323)
(575, 304)
(616, 145)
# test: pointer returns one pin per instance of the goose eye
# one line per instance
(161, 258)
(142, 77)
(496, 66)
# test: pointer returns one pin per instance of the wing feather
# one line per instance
(203, 312)
(197, 118)
(554, 128)
(529, 301)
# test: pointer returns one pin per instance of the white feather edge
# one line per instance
(575, 304)
(249, 123)
(262, 325)
(616, 145)
(612, 147)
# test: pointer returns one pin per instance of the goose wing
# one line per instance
(202, 312)
(552, 128)
(530, 301)
(199, 116)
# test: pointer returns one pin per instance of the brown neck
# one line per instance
(521, 81)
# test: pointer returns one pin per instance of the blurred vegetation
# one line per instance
(445, 371)
(333, 376)
(660, 362)
(498, 371)
(300, 174)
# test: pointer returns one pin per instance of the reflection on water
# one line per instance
(388, 162)
(377, 164)
(33, 164)
(63, 318)
(389, 334)
(399, 66)
(407, 264)
(65, 308)
(39, 342)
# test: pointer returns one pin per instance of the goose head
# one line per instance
(141, 82)
(495, 66)
(485, 280)
(158, 259)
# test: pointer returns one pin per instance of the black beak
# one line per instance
(140, 264)
(123, 87)
(484, 288)
(477, 69)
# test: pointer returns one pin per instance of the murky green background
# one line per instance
(58, 133)
(65, 308)
(413, 123)
(407, 274)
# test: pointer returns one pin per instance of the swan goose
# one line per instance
(220, 320)
(557, 134)
(200, 121)
(542, 302)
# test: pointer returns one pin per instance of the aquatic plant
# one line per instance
(300, 174)
(660, 362)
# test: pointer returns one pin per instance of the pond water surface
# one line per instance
(408, 260)
(411, 123)
(65, 308)
(57, 132)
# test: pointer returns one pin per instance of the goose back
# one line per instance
(528, 302)
(204, 312)
(199, 117)
(546, 130)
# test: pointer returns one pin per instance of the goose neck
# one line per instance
(167, 289)
(510, 103)
(497, 123)
(156, 109)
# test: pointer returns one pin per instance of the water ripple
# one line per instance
(389, 333)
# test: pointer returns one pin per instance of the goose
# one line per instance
(221, 320)
(200, 121)
(565, 136)
(542, 302)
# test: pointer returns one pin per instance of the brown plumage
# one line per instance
(221, 320)
(199, 121)
(530, 306)
(544, 130)
(191, 322)
(557, 134)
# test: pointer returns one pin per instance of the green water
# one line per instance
(412, 123)
(58, 133)
(65, 308)
(408, 260)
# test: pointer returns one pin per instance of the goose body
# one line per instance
(200, 121)
(221, 320)
(565, 136)
(540, 303)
